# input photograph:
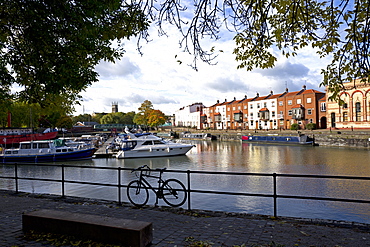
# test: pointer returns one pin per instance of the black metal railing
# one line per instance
(123, 184)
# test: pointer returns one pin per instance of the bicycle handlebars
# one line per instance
(148, 168)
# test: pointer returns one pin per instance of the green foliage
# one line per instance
(82, 118)
(156, 118)
(141, 118)
(118, 118)
(311, 126)
(51, 47)
(147, 116)
(294, 126)
(33, 115)
(339, 30)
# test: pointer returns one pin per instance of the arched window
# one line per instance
(358, 111)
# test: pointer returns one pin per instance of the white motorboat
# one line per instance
(149, 145)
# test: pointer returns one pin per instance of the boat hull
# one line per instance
(75, 155)
(154, 152)
(300, 140)
(11, 139)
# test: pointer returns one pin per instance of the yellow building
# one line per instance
(354, 113)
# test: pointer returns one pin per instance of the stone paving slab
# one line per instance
(177, 227)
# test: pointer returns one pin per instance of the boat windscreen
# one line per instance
(59, 142)
(127, 145)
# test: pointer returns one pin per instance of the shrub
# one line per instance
(311, 126)
(294, 126)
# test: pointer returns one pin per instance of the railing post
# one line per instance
(119, 186)
(188, 178)
(16, 177)
(63, 192)
(275, 195)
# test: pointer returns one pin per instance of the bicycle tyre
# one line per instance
(174, 192)
(137, 193)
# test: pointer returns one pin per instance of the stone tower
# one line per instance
(114, 107)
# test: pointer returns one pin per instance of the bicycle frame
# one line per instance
(157, 191)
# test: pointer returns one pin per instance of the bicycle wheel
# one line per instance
(174, 192)
(137, 193)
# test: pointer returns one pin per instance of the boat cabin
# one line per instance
(38, 147)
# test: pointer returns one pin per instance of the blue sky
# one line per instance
(158, 77)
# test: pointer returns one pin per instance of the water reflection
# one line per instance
(233, 157)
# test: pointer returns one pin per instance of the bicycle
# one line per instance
(172, 191)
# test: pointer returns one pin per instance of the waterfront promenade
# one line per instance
(176, 227)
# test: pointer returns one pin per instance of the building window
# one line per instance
(251, 106)
(251, 123)
(280, 103)
(299, 101)
(323, 106)
(264, 104)
(345, 106)
(273, 114)
(274, 122)
(290, 112)
(309, 111)
(345, 116)
(289, 102)
(258, 105)
(309, 100)
(273, 103)
(358, 111)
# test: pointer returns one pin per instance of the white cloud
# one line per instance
(159, 77)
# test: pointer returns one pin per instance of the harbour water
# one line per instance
(234, 157)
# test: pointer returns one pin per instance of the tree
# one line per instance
(82, 118)
(336, 29)
(156, 118)
(141, 118)
(339, 29)
(33, 115)
(51, 47)
(128, 118)
(118, 118)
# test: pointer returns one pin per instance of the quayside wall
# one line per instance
(338, 138)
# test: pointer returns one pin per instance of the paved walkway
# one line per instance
(176, 227)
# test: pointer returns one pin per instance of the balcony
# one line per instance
(238, 117)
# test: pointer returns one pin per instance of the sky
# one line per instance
(158, 77)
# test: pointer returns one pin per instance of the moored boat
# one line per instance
(276, 139)
(45, 151)
(199, 136)
(149, 145)
(10, 136)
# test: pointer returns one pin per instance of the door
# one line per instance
(333, 120)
